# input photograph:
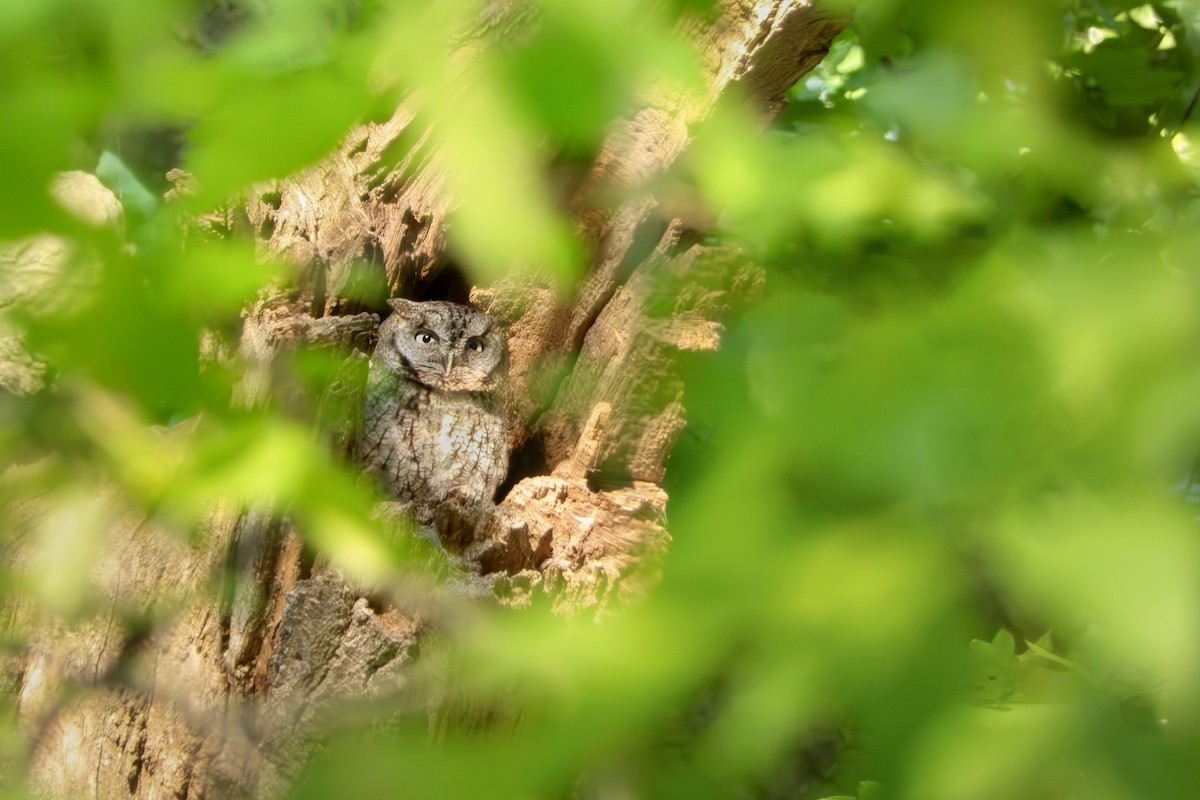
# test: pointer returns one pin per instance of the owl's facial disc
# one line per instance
(446, 347)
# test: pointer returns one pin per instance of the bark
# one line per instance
(226, 696)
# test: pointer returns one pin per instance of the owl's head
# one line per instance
(444, 346)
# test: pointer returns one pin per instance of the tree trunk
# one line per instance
(228, 697)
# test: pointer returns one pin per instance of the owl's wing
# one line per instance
(382, 386)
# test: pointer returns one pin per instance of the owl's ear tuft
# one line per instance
(400, 304)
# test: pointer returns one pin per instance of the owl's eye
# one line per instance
(426, 337)
(475, 344)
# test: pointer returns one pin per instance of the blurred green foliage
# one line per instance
(932, 532)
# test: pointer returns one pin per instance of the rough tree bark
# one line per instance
(220, 702)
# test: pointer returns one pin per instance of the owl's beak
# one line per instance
(449, 363)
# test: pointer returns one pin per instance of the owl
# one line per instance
(433, 424)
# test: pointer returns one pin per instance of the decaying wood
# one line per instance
(618, 412)
(223, 698)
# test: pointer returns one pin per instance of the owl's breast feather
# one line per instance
(448, 438)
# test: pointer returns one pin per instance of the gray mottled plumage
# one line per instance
(433, 427)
